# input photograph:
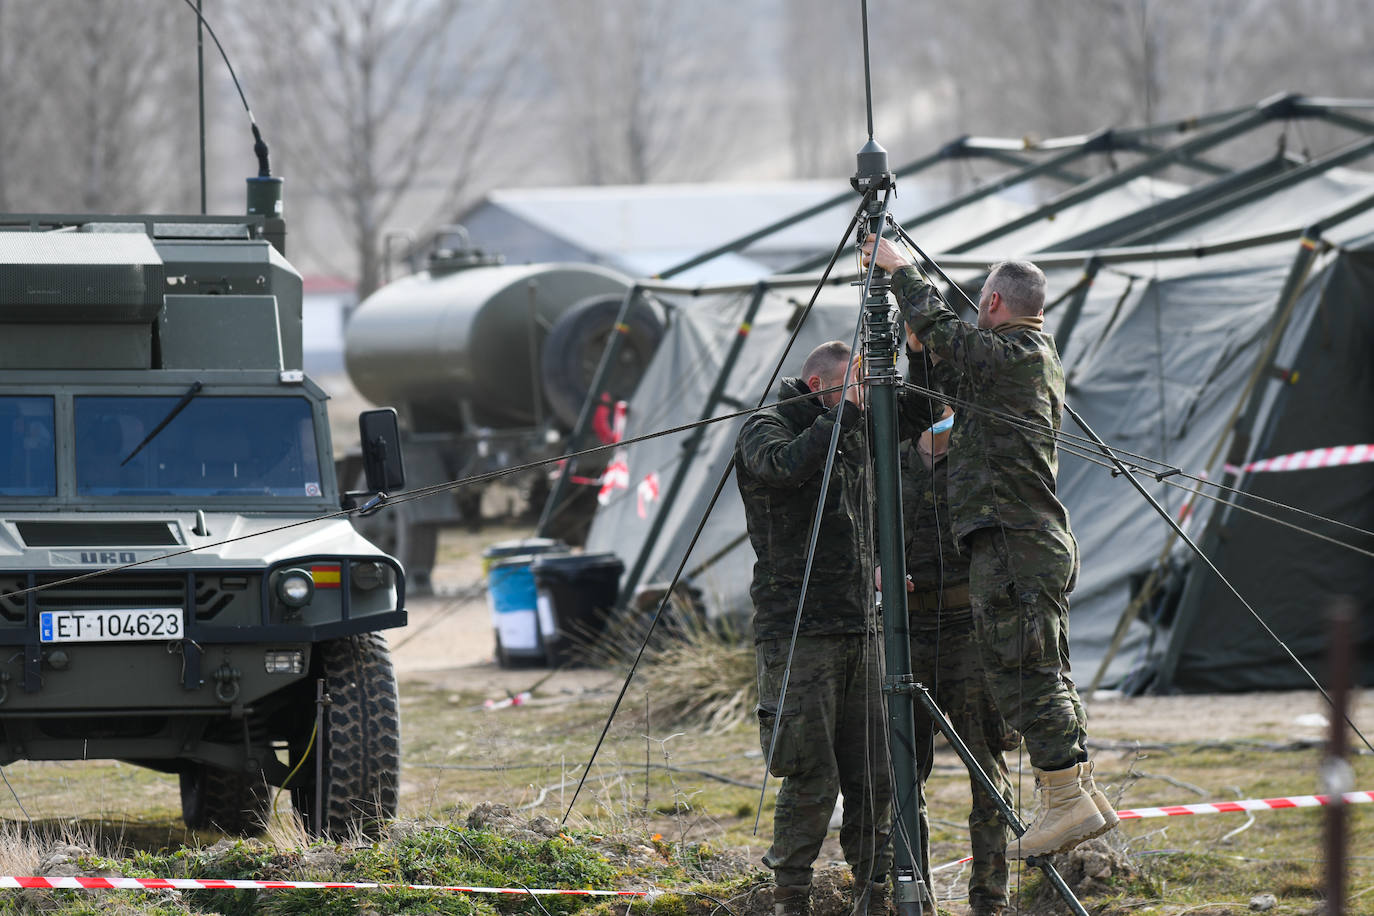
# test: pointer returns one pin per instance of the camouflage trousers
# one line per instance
(946, 659)
(1019, 582)
(831, 737)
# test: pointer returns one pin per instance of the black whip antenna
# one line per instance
(264, 191)
(868, 71)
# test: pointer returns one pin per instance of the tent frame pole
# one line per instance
(1074, 310)
(1266, 111)
(1110, 233)
(953, 150)
(614, 340)
(691, 446)
(1285, 179)
(1237, 431)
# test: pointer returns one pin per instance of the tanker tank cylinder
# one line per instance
(487, 365)
(457, 351)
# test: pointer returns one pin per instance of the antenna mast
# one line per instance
(911, 872)
(881, 380)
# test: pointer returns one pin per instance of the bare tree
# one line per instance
(822, 64)
(19, 95)
(94, 96)
(382, 106)
(641, 90)
(1057, 66)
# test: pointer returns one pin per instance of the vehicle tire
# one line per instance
(573, 349)
(231, 802)
(361, 743)
(393, 530)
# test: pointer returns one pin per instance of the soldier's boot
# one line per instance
(1104, 805)
(1067, 816)
(792, 900)
(872, 899)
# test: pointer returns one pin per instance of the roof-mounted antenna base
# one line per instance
(872, 172)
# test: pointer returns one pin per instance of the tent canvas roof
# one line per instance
(1158, 363)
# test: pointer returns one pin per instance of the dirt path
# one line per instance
(449, 644)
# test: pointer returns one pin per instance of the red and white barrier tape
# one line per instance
(1335, 456)
(518, 699)
(230, 884)
(1248, 804)
(81, 883)
(1227, 807)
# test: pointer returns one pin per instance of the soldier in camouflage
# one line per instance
(945, 654)
(830, 730)
(1023, 559)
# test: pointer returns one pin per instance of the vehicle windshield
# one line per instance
(216, 446)
(27, 458)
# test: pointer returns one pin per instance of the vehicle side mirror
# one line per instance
(381, 442)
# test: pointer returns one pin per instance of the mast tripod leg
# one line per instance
(910, 686)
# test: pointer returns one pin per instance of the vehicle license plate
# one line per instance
(124, 625)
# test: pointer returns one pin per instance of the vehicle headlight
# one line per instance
(284, 661)
(367, 576)
(295, 587)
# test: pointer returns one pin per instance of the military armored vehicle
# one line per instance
(178, 586)
(488, 365)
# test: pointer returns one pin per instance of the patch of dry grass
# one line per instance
(698, 674)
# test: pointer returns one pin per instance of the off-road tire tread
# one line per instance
(234, 803)
(363, 744)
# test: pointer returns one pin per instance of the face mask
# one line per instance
(944, 425)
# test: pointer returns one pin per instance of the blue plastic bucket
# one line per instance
(513, 598)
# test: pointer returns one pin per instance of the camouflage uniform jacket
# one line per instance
(933, 559)
(780, 455)
(1000, 473)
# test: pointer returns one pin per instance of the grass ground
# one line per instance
(673, 798)
(670, 805)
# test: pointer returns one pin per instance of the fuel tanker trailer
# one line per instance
(488, 365)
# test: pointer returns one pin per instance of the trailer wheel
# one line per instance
(232, 802)
(360, 744)
(573, 349)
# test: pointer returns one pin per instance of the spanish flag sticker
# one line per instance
(325, 576)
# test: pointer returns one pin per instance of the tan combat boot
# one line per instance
(872, 899)
(1104, 805)
(792, 900)
(1067, 816)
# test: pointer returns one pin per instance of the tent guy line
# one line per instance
(1096, 459)
(865, 198)
(1177, 529)
(633, 440)
(1069, 440)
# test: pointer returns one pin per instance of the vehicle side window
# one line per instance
(27, 457)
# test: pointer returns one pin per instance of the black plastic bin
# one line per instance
(576, 595)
